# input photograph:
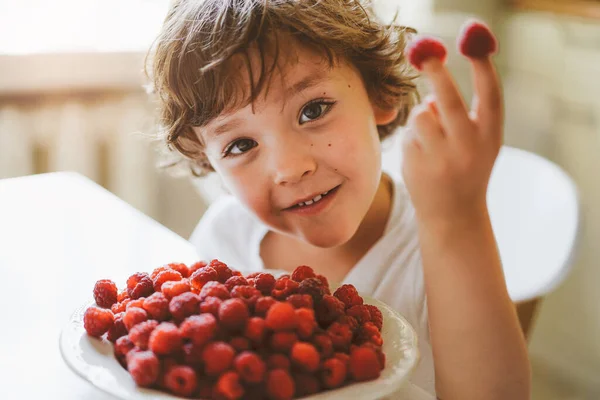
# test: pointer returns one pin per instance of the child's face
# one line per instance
(315, 132)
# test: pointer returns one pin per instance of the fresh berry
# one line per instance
(144, 368)
(283, 341)
(324, 344)
(196, 266)
(343, 357)
(139, 303)
(122, 295)
(165, 276)
(376, 316)
(192, 355)
(139, 285)
(233, 314)
(228, 387)
(157, 306)
(341, 336)
(333, 373)
(329, 310)
(368, 332)
(174, 288)
(280, 385)
(184, 305)
(246, 293)
(303, 272)
(264, 282)
(118, 328)
(181, 380)
(165, 339)
(211, 305)
(120, 307)
(425, 48)
(300, 300)
(181, 268)
(223, 271)
(364, 364)
(348, 295)
(105, 293)
(312, 287)
(140, 333)
(255, 330)
(278, 361)
(235, 281)
(476, 40)
(199, 278)
(324, 283)
(240, 343)
(218, 357)
(123, 345)
(361, 313)
(352, 322)
(262, 305)
(305, 356)
(97, 321)
(306, 322)
(250, 367)
(214, 289)
(199, 328)
(284, 287)
(281, 316)
(305, 384)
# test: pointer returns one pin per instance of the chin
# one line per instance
(328, 239)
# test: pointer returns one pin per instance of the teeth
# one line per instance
(316, 199)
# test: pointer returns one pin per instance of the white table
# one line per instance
(59, 234)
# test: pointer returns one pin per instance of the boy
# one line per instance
(288, 102)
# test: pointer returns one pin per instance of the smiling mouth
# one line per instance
(314, 200)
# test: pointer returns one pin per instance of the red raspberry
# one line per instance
(284, 287)
(323, 343)
(280, 385)
(236, 273)
(139, 303)
(333, 373)
(218, 357)
(235, 281)
(165, 276)
(165, 339)
(118, 328)
(97, 321)
(364, 364)
(184, 305)
(303, 272)
(264, 282)
(240, 343)
(368, 332)
(196, 266)
(376, 348)
(476, 40)
(263, 304)
(228, 387)
(144, 368)
(174, 288)
(425, 48)
(157, 306)
(341, 336)
(283, 341)
(300, 300)
(246, 293)
(122, 295)
(305, 356)
(376, 316)
(105, 293)
(211, 305)
(305, 384)
(181, 380)
(255, 330)
(181, 268)
(278, 361)
(281, 316)
(233, 314)
(348, 295)
(223, 271)
(140, 333)
(325, 283)
(120, 307)
(329, 310)
(199, 328)
(158, 270)
(199, 278)
(350, 321)
(139, 285)
(253, 275)
(214, 289)
(250, 367)
(343, 357)
(361, 313)
(123, 345)
(192, 355)
(306, 322)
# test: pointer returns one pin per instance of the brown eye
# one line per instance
(314, 110)
(240, 147)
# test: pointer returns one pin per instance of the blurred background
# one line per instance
(72, 98)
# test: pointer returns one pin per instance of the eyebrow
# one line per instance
(313, 79)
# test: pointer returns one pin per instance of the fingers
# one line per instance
(424, 122)
(428, 55)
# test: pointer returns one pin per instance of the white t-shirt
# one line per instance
(391, 271)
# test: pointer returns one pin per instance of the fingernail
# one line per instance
(477, 40)
(424, 48)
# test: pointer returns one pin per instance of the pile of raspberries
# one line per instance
(206, 331)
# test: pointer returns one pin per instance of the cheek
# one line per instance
(356, 148)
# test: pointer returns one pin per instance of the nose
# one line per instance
(293, 160)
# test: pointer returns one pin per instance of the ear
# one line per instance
(384, 117)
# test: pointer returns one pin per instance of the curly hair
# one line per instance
(190, 68)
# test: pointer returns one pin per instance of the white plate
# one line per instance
(93, 360)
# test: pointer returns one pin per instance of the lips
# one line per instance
(309, 200)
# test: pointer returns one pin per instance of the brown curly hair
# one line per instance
(189, 63)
